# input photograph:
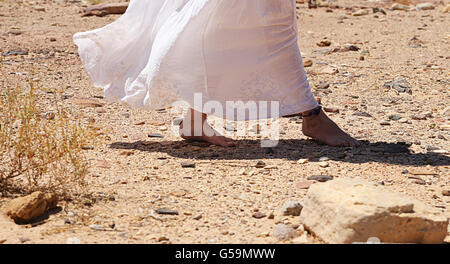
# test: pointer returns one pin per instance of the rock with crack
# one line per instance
(353, 210)
(28, 208)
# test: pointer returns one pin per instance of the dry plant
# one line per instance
(41, 150)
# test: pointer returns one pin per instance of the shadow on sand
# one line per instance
(291, 149)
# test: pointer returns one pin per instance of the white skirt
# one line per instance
(165, 51)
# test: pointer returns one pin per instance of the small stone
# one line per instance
(331, 109)
(362, 114)
(283, 232)
(258, 215)
(293, 208)
(304, 184)
(198, 217)
(26, 209)
(307, 63)
(446, 192)
(302, 161)
(97, 227)
(384, 122)
(155, 136)
(395, 117)
(446, 9)
(320, 178)
(425, 6)
(323, 164)
(324, 43)
(403, 120)
(187, 165)
(260, 164)
(177, 121)
(163, 239)
(397, 6)
(165, 211)
(324, 159)
(361, 12)
(323, 85)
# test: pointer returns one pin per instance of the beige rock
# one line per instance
(353, 210)
(27, 208)
(446, 8)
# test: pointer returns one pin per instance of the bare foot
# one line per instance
(323, 129)
(205, 133)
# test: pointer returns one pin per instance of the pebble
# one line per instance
(198, 217)
(187, 165)
(97, 227)
(395, 117)
(363, 114)
(304, 184)
(324, 159)
(302, 161)
(446, 192)
(385, 122)
(155, 136)
(283, 232)
(401, 7)
(307, 63)
(260, 164)
(165, 211)
(258, 215)
(324, 43)
(320, 178)
(323, 164)
(361, 12)
(403, 120)
(293, 208)
(425, 6)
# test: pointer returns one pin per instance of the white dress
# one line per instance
(163, 51)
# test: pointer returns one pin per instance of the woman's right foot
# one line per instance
(323, 129)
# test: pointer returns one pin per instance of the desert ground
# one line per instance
(223, 197)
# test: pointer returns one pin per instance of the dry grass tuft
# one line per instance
(41, 149)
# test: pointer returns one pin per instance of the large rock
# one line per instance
(353, 210)
(26, 209)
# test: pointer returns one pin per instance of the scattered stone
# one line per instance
(331, 109)
(198, 217)
(397, 6)
(385, 122)
(140, 123)
(155, 136)
(323, 43)
(395, 117)
(446, 192)
(320, 178)
(323, 164)
(165, 211)
(425, 6)
(328, 70)
(304, 184)
(187, 165)
(105, 9)
(28, 208)
(260, 164)
(283, 232)
(353, 210)
(307, 63)
(361, 12)
(323, 85)
(362, 114)
(403, 120)
(302, 161)
(14, 53)
(324, 159)
(97, 227)
(350, 47)
(400, 85)
(293, 208)
(258, 215)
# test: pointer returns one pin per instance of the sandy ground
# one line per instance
(133, 174)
